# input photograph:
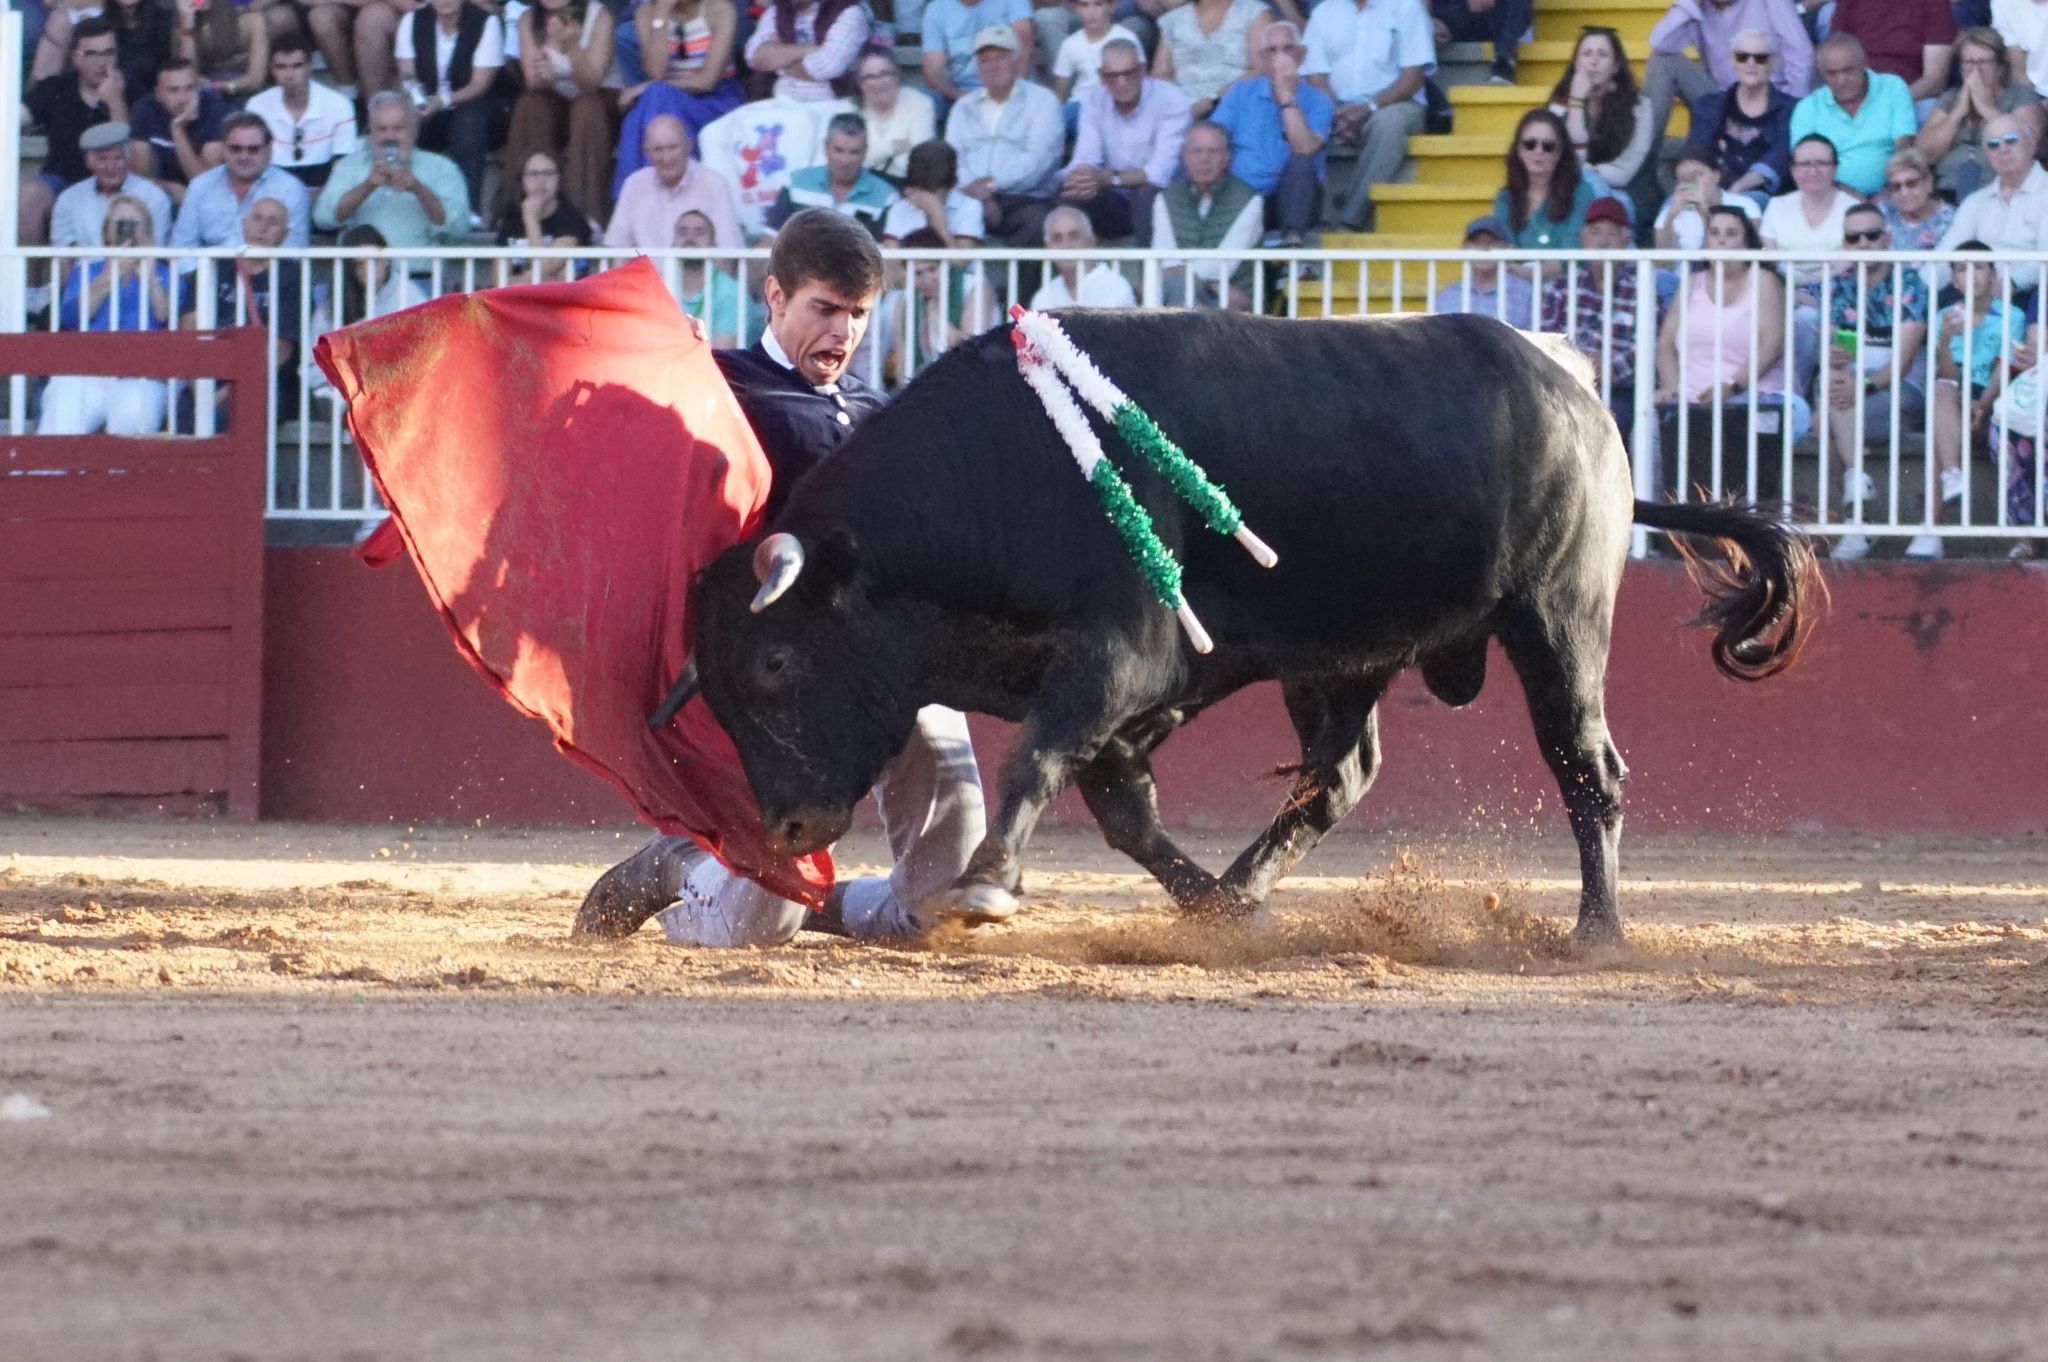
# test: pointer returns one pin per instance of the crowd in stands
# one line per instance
(1086, 124)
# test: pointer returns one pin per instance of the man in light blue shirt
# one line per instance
(1008, 135)
(1867, 114)
(413, 197)
(1371, 56)
(1279, 125)
(951, 30)
(1129, 144)
(1487, 289)
(216, 201)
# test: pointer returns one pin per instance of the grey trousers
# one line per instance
(1675, 76)
(932, 813)
(1379, 160)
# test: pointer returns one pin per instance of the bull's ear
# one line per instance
(838, 557)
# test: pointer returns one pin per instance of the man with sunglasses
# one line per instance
(216, 202)
(1883, 310)
(1710, 27)
(2010, 213)
(311, 126)
(1867, 114)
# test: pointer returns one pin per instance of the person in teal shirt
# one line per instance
(711, 295)
(1867, 114)
(1545, 201)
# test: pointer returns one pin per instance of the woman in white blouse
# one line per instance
(1808, 219)
(1206, 45)
(897, 119)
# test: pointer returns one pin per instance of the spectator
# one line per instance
(692, 42)
(65, 106)
(952, 303)
(145, 37)
(669, 185)
(230, 43)
(1607, 119)
(897, 119)
(1866, 114)
(1128, 146)
(1486, 288)
(1809, 217)
(1682, 223)
(1207, 209)
(1008, 133)
(311, 127)
(1595, 304)
(176, 131)
(337, 27)
(541, 218)
(1067, 229)
(216, 201)
(758, 146)
(409, 196)
(1731, 324)
(1206, 45)
(1916, 218)
(1911, 39)
(2024, 26)
(1056, 21)
(81, 210)
(1709, 27)
(710, 294)
(1952, 137)
(254, 289)
(1500, 22)
(111, 295)
(843, 183)
(1545, 200)
(1076, 66)
(570, 106)
(1279, 125)
(2011, 212)
(808, 45)
(1371, 56)
(1863, 303)
(1749, 125)
(370, 287)
(449, 54)
(932, 201)
(1975, 337)
(954, 34)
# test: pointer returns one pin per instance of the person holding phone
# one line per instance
(412, 197)
(117, 293)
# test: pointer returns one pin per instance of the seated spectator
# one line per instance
(542, 218)
(111, 294)
(64, 106)
(1916, 218)
(1128, 145)
(1500, 22)
(709, 293)
(1808, 219)
(569, 107)
(1545, 200)
(250, 292)
(1207, 209)
(1952, 135)
(1682, 223)
(1749, 125)
(1067, 229)
(311, 127)
(1595, 304)
(449, 54)
(669, 185)
(953, 38)
(808, 45)
(758, 146)
(216, 201)
(230, 43)
(898, 119)
(1607, 120)
(1371, 58)
(932, 201)
(1709, 27)
(843, 184)
(334, 26)
(1866, 114)
(146, 34)
(1008, 133)
(1862, 305)
(2024, 26)
(1732, 323)
(1279, 126)
(1077, 64)
(1486, 288)
(691, 43)
(1911, 39)
(81, 210)
(1205, 46)
(1975, 337)
(409, 196)
(2011, 212)
(370, 287)
(176, 130)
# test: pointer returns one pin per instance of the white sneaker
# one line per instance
(1852, 546)
(1857, 482)
(1922, 546)
(1953, 480)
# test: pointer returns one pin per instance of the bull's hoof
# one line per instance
(1598, 936)
(976, 905)
(635, 889)
(1222, 906)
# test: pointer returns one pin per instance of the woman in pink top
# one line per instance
(690, 44)
(1729, 324)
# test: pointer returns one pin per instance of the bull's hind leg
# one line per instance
(1340, 755)
(1122, 795)
(1562, 661)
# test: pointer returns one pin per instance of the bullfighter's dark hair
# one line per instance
(819, 244)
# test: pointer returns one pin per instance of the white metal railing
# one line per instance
(1794, 432)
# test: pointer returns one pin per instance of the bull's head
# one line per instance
(812, 680)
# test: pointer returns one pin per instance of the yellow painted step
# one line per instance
(1494, 110)
(1440, 209)
(1371, 242)
(1633, 19)
(1457, 159)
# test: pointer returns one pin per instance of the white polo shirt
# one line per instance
(326, 133)
(1363, 48)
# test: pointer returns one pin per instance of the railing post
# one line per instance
(13, 266)
(1643, 446)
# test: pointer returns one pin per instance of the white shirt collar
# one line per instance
(781, 356)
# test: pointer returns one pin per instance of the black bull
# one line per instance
(1429, 484)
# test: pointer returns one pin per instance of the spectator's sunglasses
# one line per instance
(1905, 182)
(2011, 139)
(1871, 236)
(1753, 58)
(1539, 144)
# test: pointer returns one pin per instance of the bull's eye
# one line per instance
(774, 665)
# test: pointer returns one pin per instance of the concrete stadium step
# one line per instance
(1494, 110)
(1440, 210)
(1633, 19)
(1456, 158)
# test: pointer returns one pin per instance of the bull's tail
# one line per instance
(1761, 586)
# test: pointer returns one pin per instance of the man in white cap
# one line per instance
(1009, 135)
(81, 209)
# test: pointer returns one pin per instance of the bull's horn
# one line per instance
(776, 565)
(678, 695)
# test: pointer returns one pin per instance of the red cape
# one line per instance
(560, 460)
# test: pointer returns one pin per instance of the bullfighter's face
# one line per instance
(817, 326)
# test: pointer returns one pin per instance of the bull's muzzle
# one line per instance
(798, 832)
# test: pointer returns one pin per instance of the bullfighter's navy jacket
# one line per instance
(797, 424)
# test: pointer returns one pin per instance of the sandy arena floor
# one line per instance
(322, 1093)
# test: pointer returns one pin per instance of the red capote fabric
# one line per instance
(559, 460)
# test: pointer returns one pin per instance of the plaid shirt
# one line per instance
(1581, 318)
